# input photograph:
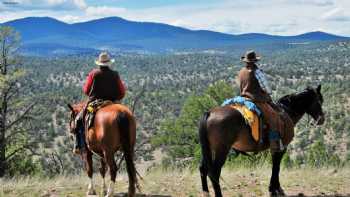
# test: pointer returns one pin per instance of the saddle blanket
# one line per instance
(249, 111)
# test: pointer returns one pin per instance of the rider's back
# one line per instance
(105, 85)
(249, 85)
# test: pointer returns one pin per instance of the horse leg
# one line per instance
(113, 172)
(125, 128)
(103, 173)
(219, 158)
(89, 170)
(130, 167)
(275, 187)
(203, 169)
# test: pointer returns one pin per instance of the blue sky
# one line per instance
(279, 17)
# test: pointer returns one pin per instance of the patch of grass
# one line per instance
(184, 183)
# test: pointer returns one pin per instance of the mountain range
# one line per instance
(45, 35)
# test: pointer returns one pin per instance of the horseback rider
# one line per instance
(254, 85)
(102, 83)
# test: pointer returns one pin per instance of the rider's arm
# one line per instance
(122, 89)
(88, 82)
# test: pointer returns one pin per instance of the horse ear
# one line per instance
(70, 107)
(318, 88)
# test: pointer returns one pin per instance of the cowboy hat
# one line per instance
(104, 59)
(250, 57)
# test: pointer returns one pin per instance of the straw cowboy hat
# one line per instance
(104, 59)
(250, 57)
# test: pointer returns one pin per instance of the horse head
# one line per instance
(74, 109)
(308, 101)
(315, 107)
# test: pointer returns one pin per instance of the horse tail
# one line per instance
(203, 139)
(128, 149)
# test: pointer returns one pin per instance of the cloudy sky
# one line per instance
(281, 17)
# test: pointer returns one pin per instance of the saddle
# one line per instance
(251, 114)
(91, 110)
(258, 116)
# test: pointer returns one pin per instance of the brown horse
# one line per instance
(223, 128)
(114, 129)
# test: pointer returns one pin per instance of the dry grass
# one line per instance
(235, 182)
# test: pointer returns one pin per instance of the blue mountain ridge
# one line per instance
(118, 34)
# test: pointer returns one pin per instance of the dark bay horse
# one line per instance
(223, 128)
(114, 129)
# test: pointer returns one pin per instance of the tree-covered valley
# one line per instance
(169, 94)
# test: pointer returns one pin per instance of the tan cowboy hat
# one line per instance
(250, 57)
(104, 59)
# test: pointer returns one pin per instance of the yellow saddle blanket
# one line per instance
(251, 118)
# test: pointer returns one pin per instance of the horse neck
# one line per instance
(296, 117)
(296, 107)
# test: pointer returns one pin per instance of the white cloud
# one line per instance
(313, 2)
(80, 4)
(337, 14)
(45, 5)
(103, 11)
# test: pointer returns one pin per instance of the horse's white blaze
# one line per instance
(110, 189)
(205, 194)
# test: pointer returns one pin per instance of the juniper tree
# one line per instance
(14, 108)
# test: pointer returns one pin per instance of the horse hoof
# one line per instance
(109, 195)
(277, 194)
(91, 192)
(205, 194)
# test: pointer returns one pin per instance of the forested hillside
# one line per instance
(170, 88)
(49, 36)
